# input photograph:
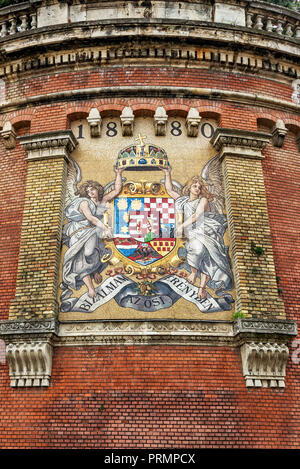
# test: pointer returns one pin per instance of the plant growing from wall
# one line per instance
(292, 4)
(238, 314)
(5, 3)
(257, 250)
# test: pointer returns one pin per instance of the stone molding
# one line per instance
(235, 330)
(163, 332)
(286, 328)
(240, 142)
(19, 328)
(263, 343)
(48, 145)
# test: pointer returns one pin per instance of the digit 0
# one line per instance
(207, 130)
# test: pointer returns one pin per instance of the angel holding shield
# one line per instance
(85, 230)
(204, 225)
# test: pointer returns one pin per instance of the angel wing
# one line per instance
(212, 175)
(177, 187)
(73, 178)
(110, 186)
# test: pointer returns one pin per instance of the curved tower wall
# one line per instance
(80, 82)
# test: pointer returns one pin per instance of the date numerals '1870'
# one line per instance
(207, 130)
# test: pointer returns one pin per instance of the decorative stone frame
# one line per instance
(33, 328)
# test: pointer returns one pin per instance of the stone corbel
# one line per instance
(30, 363)
(192, 122)
(160, 121)
(278, 133)
(127, 121)
(29, 350)
(9, 135)
(264, 350)
(94, 121)
(264, 364)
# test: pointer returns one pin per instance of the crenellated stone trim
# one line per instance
(146, 53)
(213, 94)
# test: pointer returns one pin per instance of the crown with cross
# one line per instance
(142, 157)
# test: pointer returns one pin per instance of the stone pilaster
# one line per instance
(36, 289)
(30, 332)
(264, 333)
(247, 212)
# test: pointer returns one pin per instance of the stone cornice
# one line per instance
(64, 36)
(142, 332)
(49, 145)
(240, 142)
(271, 328)
(29, 344)
(18, 329)
(145, 332)
(217, 333)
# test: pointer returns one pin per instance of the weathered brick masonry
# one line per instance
(162, 395)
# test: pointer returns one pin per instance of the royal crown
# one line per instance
(142, 157)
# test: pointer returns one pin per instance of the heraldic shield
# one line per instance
(144, 224)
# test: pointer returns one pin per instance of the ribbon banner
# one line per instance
(127, 295)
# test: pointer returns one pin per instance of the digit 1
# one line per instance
(80, 131)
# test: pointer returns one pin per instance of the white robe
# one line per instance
(86, 247)
(205, 248)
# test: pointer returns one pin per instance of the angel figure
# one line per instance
(202, 203)
(85, 230)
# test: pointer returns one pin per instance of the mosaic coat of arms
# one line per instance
(145, 245)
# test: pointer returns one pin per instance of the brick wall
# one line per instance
(148, 397)
(145, 76)
(282, 175)
(12, 187)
